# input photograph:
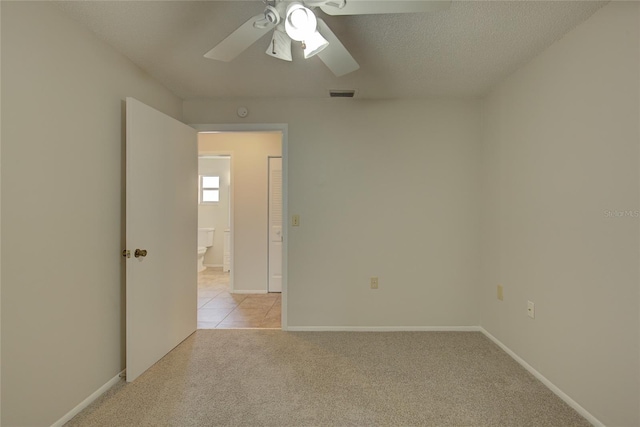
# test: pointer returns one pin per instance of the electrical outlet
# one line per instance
(374, 283)
(531, 310)
(500, 293)
(295, 220)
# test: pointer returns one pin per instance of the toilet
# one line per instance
(205, 241)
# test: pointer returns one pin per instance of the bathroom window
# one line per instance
(209, 189)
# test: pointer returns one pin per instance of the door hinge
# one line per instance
(126, 253)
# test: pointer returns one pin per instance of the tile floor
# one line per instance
(217, 308)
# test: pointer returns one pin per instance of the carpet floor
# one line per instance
(277, 378)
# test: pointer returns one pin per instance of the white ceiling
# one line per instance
(460, 52)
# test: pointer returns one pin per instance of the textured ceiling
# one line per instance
(461, 52)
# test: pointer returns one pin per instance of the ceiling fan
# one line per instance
(295, 20)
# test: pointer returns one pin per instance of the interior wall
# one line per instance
(215, 215)
(383, 188)
(560, 213)
(62, 210)
(250, 174)
(0, 227)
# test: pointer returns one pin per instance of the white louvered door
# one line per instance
(275, 224)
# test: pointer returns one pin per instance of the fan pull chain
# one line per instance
(273, 49)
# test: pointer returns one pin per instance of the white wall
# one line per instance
(383, 188)
(62, 210)
(215, 215)
(249, 169)
(560, 152)
(0, 230)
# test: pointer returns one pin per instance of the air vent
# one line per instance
(342, 93)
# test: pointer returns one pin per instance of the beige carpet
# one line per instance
(277, 378)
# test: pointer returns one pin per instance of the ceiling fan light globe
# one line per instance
(280, 46)
(298, 18)
(300, 22)
(314, 45)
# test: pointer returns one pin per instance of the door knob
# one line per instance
(140, 253)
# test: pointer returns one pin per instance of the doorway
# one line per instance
(245, 296)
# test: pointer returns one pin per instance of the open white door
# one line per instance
(275, 224)
(162, 183)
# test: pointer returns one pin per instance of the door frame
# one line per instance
(265, 127)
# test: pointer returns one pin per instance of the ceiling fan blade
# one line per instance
(335, 56)
(370, 7)
(246, 35)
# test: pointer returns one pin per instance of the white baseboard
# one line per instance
(383, 328)
(88, 401)
(236, 291)
(213, 265)
(562, 395)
